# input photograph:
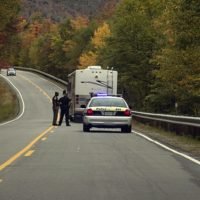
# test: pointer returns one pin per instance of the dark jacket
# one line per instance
(64, 103)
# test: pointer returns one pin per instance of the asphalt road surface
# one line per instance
(41, 162)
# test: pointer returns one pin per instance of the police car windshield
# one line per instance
(107, 102)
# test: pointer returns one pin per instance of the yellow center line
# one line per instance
(24, 150)
(29, 153)
(27, 148)
(44, 138)
(38, 87)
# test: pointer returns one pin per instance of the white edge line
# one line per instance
(23, 104)
(168, 148)
(140, 134)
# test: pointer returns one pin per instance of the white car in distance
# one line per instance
(11, 71)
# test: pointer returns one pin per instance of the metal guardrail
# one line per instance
(182, 120)
(179, 124)
(182, 125)
(43, 74)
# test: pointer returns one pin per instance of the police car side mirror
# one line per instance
(83, 106)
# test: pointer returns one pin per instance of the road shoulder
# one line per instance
(181, 143)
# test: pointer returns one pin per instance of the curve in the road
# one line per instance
(22, 108)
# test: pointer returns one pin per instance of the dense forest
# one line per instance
(153, 44)
(58, 10)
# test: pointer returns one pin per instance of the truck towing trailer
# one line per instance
(85, 83)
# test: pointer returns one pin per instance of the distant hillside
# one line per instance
(59, 9)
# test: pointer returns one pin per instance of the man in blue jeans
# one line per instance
(64, 107)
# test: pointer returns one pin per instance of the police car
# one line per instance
(107, 112)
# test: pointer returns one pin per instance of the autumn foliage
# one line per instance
(153, 44)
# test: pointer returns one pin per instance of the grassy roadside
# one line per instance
(8, 102)
(182, 143)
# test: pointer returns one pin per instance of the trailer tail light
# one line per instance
(127, 112)
(90, 111)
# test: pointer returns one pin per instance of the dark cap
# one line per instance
(56, 93)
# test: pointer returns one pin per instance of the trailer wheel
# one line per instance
(86, 128)
(78, 118)
(71, 118)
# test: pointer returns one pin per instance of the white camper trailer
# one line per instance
(84, 83)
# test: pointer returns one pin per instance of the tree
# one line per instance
(80, 45)
(9, 10)
(87, 59)
(80, 22)
(97, 42)
(130, 48)
(179, 61)
(100, 35)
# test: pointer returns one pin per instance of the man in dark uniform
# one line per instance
(55, 107)
(64, 106)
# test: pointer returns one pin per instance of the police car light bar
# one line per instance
(101, 94)
(104, 95)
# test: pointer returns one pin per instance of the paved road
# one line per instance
(67, 164)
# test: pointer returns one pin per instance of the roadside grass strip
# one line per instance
(24, 150)
(168, 148)
(21, 99)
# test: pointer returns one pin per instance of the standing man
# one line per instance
(55, 106)
(64, 106)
